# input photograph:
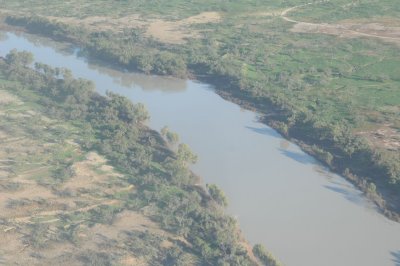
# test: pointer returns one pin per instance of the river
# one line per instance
(281, 197)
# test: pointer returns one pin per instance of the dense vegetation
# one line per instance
(319, 89)
(173, 9)
(166, 188)
(264, 256)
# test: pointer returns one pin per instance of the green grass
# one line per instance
(346, 83)
(167, 8)
(337, 10)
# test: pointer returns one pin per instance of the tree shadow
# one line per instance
(265, 131)
(346, 193)
(297, 156)
(324, 171)
(396, 257)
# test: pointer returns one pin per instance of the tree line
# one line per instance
(332, 142)
(167, 189)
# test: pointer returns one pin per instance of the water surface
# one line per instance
(281, 197)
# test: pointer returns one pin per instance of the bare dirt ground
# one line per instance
(33, 205)
(130, 260)
(346, 29)
(7, 98)
(177, 31)
(127, 221)
(167, 31)
(103, 22)
(174, 32)
(85, 175)
(385, 137)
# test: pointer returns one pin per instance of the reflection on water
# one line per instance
(284, 144)
(150, 83)
(282, 197)
(63, 48)
(121, 77)
(323, 171)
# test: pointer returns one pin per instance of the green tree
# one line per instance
(217, 194)
(19, 58)
(185, 155)
(264, 256)
(171, 137)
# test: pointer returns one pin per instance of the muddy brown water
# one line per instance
(281, 197)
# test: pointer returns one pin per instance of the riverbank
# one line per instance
(114, 127)
(386, 200)
(251, 162)
(342, 152)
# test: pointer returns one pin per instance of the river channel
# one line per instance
(281, 197)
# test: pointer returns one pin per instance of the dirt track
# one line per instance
(353, 30)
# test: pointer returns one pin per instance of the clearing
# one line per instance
(173, 32)
(57, 201)
(346, 29)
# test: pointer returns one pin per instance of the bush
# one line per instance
(264, 256)
(217, 194)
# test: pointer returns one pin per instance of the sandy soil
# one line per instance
(23, 184)
(7, 98)
(178, 31)
(385, 137)
(346, 29)
(174, 32)
(129, 260)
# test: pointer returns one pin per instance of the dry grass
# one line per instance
(352, 30)
(130, 260)
(7, 98)
(385, 137)
(383, 29)
(174, 32)
(26, 183)
(177, 32)
(85, 174)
